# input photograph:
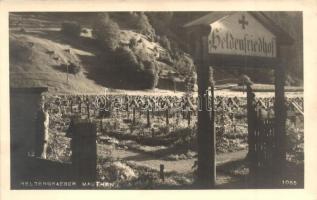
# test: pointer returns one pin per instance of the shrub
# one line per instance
(143, 25)
(164, 41)
(133, 70)
(71, 29)
(125, 60)
(186, 68)
(142, 55)
(126, 65)
(107, 32)
(132, 43)
(150, 78)
(73, 68)
(165, 58)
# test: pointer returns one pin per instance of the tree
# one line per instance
(132, 43)
(191, 81)
(106, 31)
(126, 62)
(186, 68)
(150, 75)
(134, 70)
(164, 41)
(143, 25)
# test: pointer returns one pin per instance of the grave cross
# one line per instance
(243, 22)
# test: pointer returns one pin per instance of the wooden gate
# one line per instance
(262, 142)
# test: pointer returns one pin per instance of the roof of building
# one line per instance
(267, 22)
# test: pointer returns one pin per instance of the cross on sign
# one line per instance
(243, 22)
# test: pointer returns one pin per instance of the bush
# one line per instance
(71, 29)
(150, 78)
(133, 70)
(143, 25)
(73, 68)
(164, 41)
(132, 43)
(116, 171)
(186, 68)
(107, 32)
(125, 60)
(126, 65)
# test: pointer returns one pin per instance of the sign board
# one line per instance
(241, 34)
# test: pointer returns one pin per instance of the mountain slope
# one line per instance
(37, 61)
(39, 57)
(39, 52)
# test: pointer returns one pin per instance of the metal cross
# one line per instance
(243, 22)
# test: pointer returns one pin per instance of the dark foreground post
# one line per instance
(280, 119)
(213, 127)
(206, 152)
(84, 152)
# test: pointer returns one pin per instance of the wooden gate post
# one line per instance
(251, 115)
(280, 120)
(206, 141)
(84, 151)
(213, 127)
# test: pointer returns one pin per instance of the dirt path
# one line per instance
(180, 166)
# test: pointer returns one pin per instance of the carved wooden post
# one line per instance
(206, 154)
(213, 126)
(280, 119)
(251, 117)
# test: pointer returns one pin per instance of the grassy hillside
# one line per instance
(40, 53)
(36, 61)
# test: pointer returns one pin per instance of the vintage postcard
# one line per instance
(110, 97)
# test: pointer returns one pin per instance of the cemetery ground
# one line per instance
(129, 154)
